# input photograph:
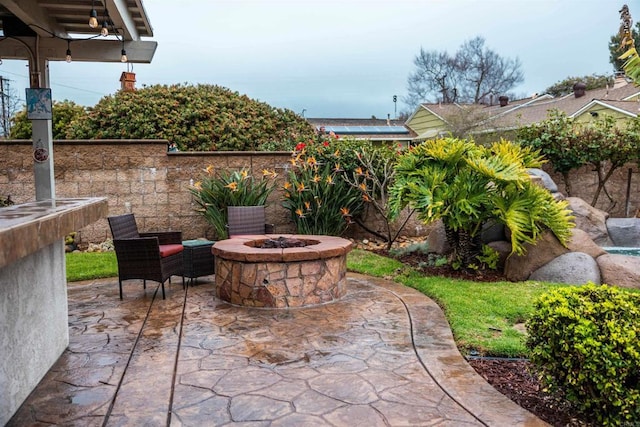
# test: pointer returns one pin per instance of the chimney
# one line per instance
(619, 80)
(127, 81)
(504, 100)
(579, 89)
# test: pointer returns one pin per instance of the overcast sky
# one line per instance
(344, 58)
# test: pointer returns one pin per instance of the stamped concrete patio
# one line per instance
(381, 356)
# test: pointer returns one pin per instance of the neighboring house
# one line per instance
(621, 102)
(376, 130)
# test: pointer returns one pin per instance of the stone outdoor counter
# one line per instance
(249, 275)
(33, 290)
(28, 227)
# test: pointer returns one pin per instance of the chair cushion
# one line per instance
(166, 250)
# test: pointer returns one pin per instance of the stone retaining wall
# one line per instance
(139, 176)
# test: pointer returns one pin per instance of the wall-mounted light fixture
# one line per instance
(68, 58)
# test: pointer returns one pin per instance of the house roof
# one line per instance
(535, 109)
(373, 129)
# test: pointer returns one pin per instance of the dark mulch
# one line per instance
(513, 378)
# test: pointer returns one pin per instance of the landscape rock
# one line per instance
(620, 270)
(492, 232)
(504, 249)
(520, 267)
(624, 232)
(591, 220)
(581, 242)
(547, 182)
(576, 268)
(437, 239)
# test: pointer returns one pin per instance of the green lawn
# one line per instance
(91, 265)
(482, 315)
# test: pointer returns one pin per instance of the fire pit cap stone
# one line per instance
(240, 248)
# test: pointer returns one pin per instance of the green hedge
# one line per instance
(585, 342)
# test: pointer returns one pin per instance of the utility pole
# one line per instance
(4, 104)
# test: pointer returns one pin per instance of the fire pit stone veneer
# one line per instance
(249, 275)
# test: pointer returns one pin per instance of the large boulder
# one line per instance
(620, 270)
(581, 242)
(624, 231)
(545, 178)
(520, 267)
(576, 268)
(504, 250)
(493, 232)
(437, 239)
(591, 220)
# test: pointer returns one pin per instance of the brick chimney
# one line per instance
(127, 81)
(504, 100)
(579, 89)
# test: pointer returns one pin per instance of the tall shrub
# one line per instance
(195, 117)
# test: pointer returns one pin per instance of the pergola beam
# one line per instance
(30, 12)
(94, 50)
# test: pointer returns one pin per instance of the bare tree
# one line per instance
(473, 74)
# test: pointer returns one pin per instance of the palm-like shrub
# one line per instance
(216, 191)
(465, 185)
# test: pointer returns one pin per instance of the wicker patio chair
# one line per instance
(247, 220)
(148, 256)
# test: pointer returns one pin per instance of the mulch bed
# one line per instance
(513, 378)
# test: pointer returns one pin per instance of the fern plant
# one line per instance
(465, 185)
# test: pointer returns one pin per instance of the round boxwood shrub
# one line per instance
(585, 343)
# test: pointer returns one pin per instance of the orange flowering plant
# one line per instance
(217, 190)
(316, 193)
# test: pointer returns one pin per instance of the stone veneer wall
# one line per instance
(281, 284)
(139, 176)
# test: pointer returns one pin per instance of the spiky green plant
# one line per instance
(319, 199)
(217, 190)
(465, 185)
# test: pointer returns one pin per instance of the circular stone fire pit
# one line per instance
(281, 277)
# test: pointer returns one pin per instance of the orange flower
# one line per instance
(197, 185)
(366, 198)
(337, 153)
(344, 211)
(337, 168)
(233, 186)
(311, 161)
(209, 170)
(272, 173)
(329, 179)
(359, 170)
(287, 185)
(316, 178)
(307, 205)
(299, 213)
(300, 188)
(363, 187)
(244, 174)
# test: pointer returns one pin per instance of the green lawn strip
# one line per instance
(482, 315)
(91, 265)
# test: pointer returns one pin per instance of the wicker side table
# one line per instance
(197, 258)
